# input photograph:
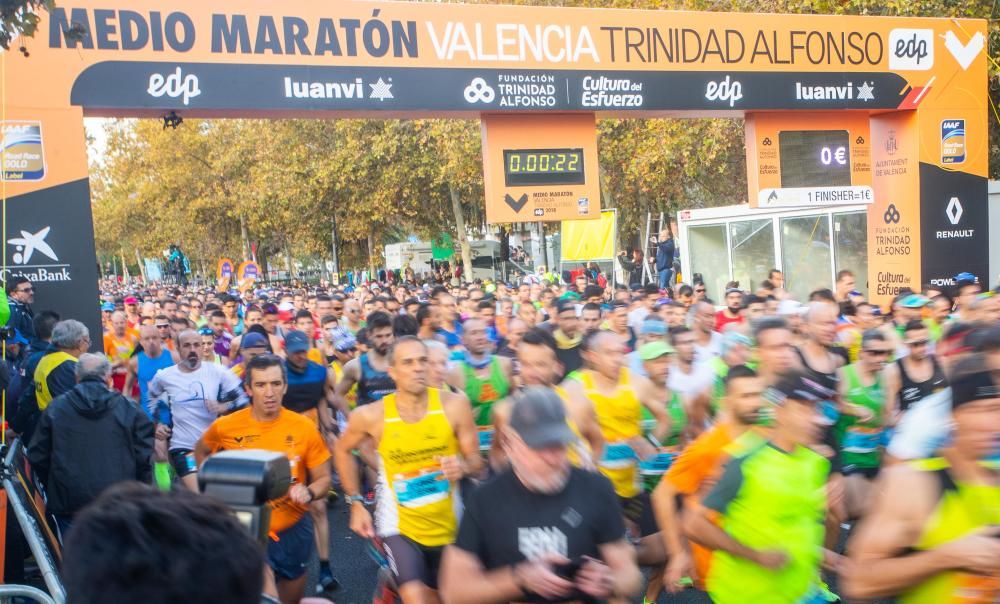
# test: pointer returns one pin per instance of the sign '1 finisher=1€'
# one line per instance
(810, 196)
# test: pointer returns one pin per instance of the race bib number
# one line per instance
(414, 491)
(860, 439)
(485, 438)
(618, 456)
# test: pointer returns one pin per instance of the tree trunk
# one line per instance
(335, 278)
(545, 248)
(372, 275)
(602, 181)
(463, 236)
(142, 266)
(245, 238)
(288, 261)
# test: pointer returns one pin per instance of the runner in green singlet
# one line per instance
(860, 428)
(933, 535)
(736, 349)
(484, 377)
(656, 361)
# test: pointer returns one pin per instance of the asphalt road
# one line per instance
(355, 569)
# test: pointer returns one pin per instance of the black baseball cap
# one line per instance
(539, 418)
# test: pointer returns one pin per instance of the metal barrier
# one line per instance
(24, 591)
(15, 483)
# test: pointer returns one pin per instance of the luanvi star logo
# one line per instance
(517, 204)
(866, 91)
(381, 90)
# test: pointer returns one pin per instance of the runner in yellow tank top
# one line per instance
(539, 366)
(426, 441)
(618, 398)
(932, 536)
(614, 393)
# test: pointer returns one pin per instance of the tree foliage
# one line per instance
(215, 187)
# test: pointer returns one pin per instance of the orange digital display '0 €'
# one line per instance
(807, 159)
(540, 168)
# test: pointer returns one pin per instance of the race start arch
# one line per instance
(886, 111)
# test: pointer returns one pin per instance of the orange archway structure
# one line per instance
(886, 111)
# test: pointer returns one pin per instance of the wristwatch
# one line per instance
(352, 499)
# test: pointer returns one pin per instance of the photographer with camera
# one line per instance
(560, 536)
(266, 425)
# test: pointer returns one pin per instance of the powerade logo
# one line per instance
(946, 282)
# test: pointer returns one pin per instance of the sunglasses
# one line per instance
(165, 326)
(878, 353)
(699, 291)
(26, 290)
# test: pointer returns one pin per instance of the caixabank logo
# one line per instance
(33, 257)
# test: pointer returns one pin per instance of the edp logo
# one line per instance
(911, 49)
(174, 85)
(726, 90)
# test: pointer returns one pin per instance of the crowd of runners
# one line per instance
(553, 441)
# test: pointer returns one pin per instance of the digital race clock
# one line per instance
(815, 158)
(527, 167)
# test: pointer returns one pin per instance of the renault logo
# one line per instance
(954, 211)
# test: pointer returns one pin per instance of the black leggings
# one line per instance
(411, 561)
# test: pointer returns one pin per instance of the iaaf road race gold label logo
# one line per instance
(22, 153)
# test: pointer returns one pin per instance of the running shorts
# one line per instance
(183, 462)
(289, 556)
(639, 509)
(410, 561)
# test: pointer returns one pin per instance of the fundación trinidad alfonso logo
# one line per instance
(891, 215)
(27, 244)
(478, 91)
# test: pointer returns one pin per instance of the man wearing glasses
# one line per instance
(862, 422)
(916, 375)
(196, 305)
(20, 296)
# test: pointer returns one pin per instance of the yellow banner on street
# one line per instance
(584, 240)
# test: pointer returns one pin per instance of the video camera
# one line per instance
(246, 481)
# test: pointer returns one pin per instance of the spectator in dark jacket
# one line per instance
(665, 258)
(20, 296)
(88, 439)
(632, 266)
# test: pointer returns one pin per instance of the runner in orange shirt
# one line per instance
(265, 424)
(119, 344)
(696, 471)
